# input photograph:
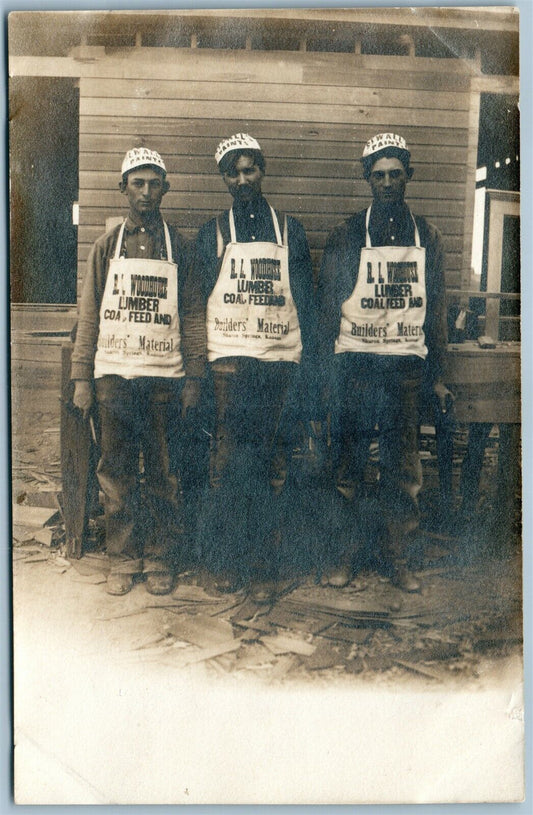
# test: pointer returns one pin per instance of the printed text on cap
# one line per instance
(382, 141)
(141, 156)
(240, 141)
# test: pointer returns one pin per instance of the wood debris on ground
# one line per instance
(470, 606)
(343, 633)
(31, 516)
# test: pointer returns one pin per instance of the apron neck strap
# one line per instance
(168, 243)
(368, 242)
(233, 233)
(417, 234)
(120, 238)
(276, 225)
(220, 240)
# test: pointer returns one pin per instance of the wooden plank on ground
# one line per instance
(285, 644)
(283, 666)
(199, 629)
(35, 517)
(210, 653)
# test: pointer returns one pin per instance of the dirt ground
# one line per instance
(354, 696)
(465, 624)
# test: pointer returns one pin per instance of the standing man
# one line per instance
(383, 333)
(257, 280)
(140, 348)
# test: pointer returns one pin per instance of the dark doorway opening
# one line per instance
(499, 141)
(43, 143)
(498, 162)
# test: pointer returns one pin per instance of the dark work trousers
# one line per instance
(240, 530)
(379, 396)
(142, 534)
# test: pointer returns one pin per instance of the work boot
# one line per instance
(404, 579)
(227, 583)
(264, 581)
(118, 583)
(341, 575)
(161, 582)
(338, 576)
(264, 592)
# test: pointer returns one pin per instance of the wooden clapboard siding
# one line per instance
(311, 134)
(288, 112)
(282, 93)
(311, 112)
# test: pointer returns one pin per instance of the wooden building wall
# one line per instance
(311, 112)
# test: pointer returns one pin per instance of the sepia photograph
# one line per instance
(266, 438)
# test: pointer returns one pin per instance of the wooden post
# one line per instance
(501, 203)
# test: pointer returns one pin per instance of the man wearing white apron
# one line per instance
(257, 282)
(140, 349)
(382, 333)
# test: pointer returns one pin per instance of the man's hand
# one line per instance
(190, 396)
(83, 396)
(444, 396)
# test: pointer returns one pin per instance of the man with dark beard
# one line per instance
(257, 280)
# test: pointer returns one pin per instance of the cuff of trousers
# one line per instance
(123, 565)
(155, 565)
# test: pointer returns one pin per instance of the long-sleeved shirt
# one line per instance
(389, 226)
(141, 240)
(253, 222)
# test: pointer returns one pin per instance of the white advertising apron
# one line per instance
(139, 323)
(386, 311)
(251, 311)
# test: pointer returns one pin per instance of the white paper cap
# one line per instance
(141, 156)
(240, 141)
(383, 140)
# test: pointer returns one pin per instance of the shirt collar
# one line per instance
(134, 224)
(244, 207)
(384, 212)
